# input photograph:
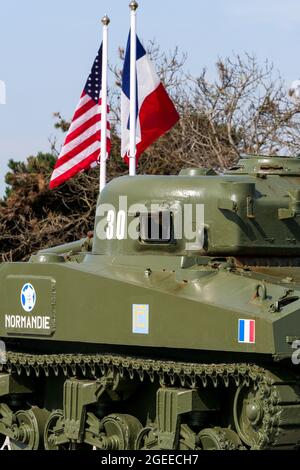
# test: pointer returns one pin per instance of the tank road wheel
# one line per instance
(249, 416)
(53, 428)
(219, 439)
(119, 432)
(29, 433)
(146, 439)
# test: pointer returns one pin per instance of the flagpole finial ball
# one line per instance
(105, 20)
(133, 5)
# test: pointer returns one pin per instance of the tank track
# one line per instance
(279, 391)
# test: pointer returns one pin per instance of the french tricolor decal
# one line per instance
(246, 333)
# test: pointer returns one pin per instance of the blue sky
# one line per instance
(47, 47)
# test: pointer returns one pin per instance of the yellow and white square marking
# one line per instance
(140, 319)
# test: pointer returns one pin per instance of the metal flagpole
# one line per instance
(105, 21)
(132, 150)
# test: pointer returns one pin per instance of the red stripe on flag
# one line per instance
(82, 165)
(252, 331)
(157, 116)
(83, 109)
(108, 145)
(82, 146)
(93, 120)
(78, 149)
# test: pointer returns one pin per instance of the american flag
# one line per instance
(81, 149)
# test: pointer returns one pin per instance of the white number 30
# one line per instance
(120, 224)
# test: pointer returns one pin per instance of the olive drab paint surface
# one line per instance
(136, 326)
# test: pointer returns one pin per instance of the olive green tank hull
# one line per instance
(159, 340)
(180, 310)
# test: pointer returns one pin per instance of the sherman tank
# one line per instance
(175, 326)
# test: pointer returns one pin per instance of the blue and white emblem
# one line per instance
(28, 297)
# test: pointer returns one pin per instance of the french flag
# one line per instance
(155, 111)
(246, 331)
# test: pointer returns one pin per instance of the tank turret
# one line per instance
(251, 210)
